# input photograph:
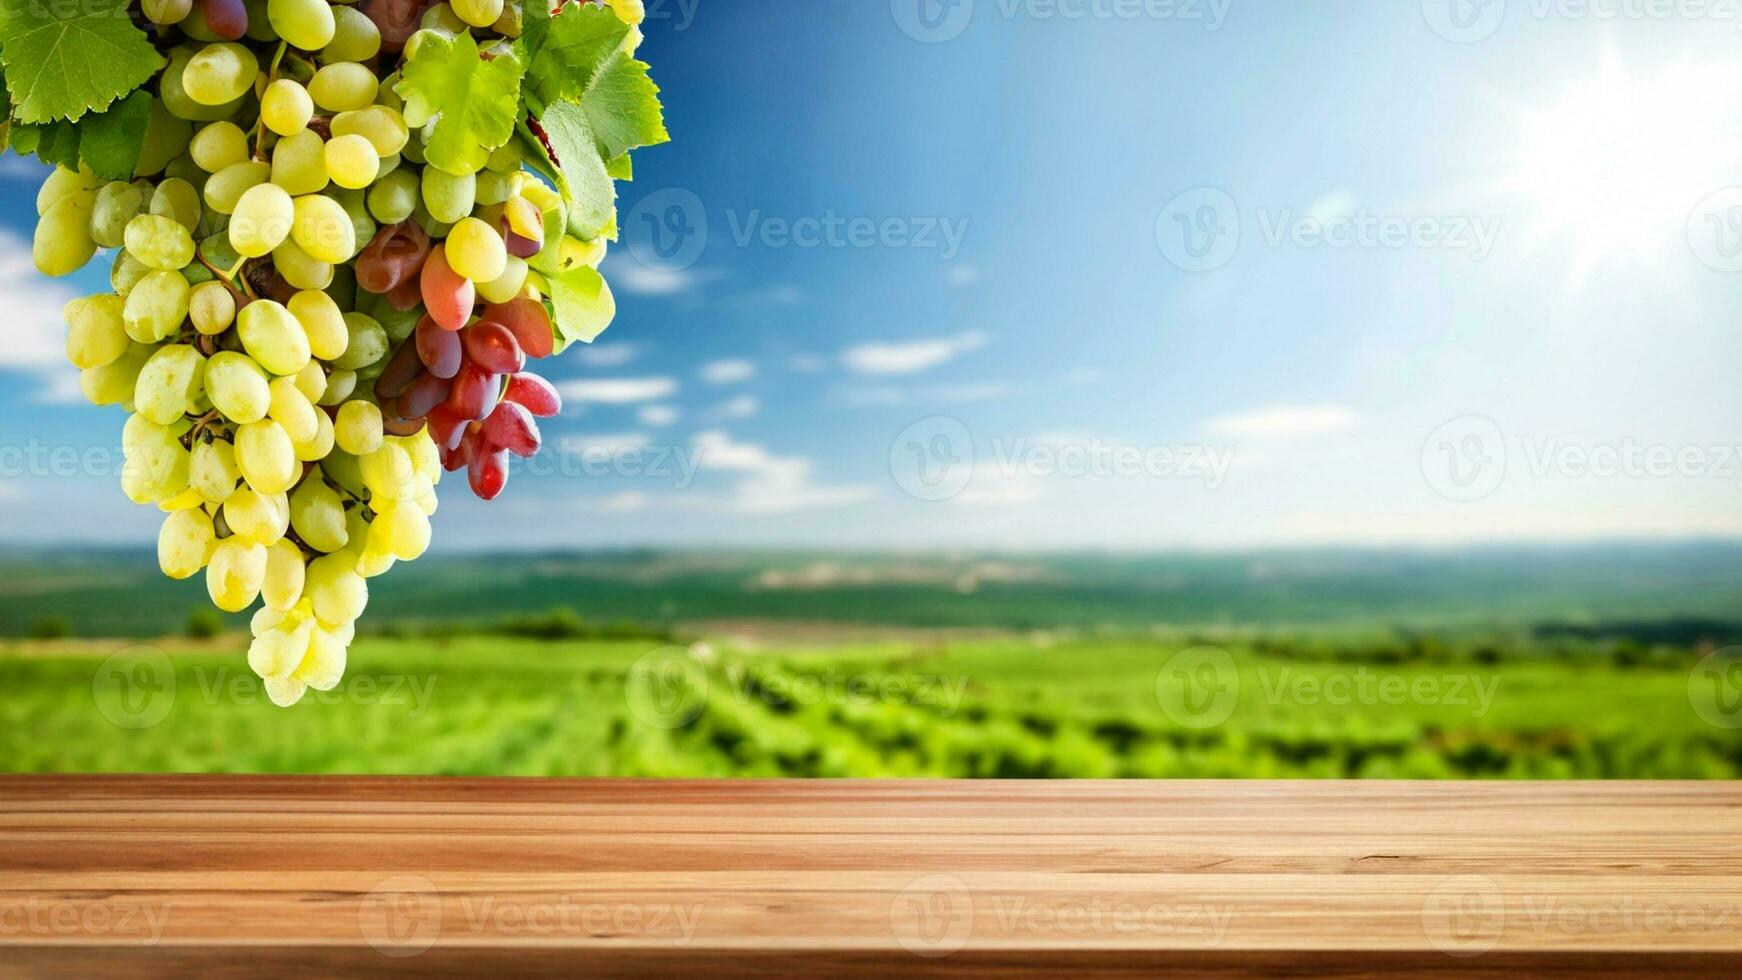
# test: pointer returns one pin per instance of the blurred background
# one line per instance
(1038, 388)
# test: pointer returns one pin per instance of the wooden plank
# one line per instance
(170, 876)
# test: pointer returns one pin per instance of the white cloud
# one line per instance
(742, 407)
(912, 356)
(35, 327)
(728, 372)
(14, 167)
(657, 415)
(607, 355)
(1284, 420)
(633, 277)
(603, 443)
(618, 391)
(971, 391)
(769, 484)
(991, 487)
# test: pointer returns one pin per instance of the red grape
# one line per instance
(512, 427)
(474, 393)
(445, 427)
(401, 370)
(493, 348)
(228, 19)
(422, 395)
(487, 471)
(439, 349)
(392, 257)
(528, 321)
(395, 19)
(537, 394)
(448, 295)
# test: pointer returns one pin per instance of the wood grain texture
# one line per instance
(244, 876)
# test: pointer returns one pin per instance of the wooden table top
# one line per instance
(320, 876)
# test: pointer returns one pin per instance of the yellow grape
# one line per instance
(299, 269)
(338, 592)
(212, 470)
(281, 585)
(273, 337)
(307, 24)
(218, 145)
(312, 382)
(351, 161)
(212, 307)
(156, 306)
(63, 241)
(219, 74)
(323, 229)
(237, 386)
(358, 430)
(344, 86)
(170, 383)
(184, 543)
(286, 107)
(322, 322)
(318, 514)
(227, 186)
(476, 251)
(252, 515)
(235, 573)
(96, 334)
(266, 457)
(318, 446)
(299, 163)
(290, 408)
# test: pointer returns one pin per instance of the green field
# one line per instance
(1037, 705)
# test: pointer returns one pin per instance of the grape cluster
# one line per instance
(308, 323)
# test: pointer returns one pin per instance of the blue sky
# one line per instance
(1212, 274)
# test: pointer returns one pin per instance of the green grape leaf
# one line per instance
(582, 303)
(55, 143)
(110, 141)
(567, 50)
(66, 59)
(477, 100)
(620, 168)
(587, 186)
(622, 106)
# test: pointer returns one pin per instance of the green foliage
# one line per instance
(66, 59)
(204, 623)
(478, 100)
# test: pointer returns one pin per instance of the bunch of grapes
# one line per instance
(309, 322)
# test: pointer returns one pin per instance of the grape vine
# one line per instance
(341, 231)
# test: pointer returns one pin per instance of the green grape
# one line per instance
(366, 344)
(343, 86)
(358, 430)
(169, 384)
(166, 12)
(383, 127)
(478, 13)
(290, 408)
(318, 514)
(259, 24)
(165, 139)
(266, 457)
(235, 573)
(322, 322)
(227, 186)
(156, 467)
(476, 251)
(443, 18)
(261, 220)
(281, 586)
(219, 74)
(175, 97)
(63, 240)
(394, 198)
(317, 446)
(311, 380)
(159, 242)
(299, 269)
(339, 594)
(448, 198)
(306, 24)
(117, 203)
(96, 334)
(113, 383)
(286, 108)
(355, 37)
(493, 187)
(340, 385)
(63, 183)
(178, 200)
(253, 515)
(272, 337)
(212, 470)
(184, 543)
(354, 204)
(219, 145)
(156, 306)
(323, 229)
(506, 286)
(299, 163)
(237, 386)
(352, 161)
(212, 308)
